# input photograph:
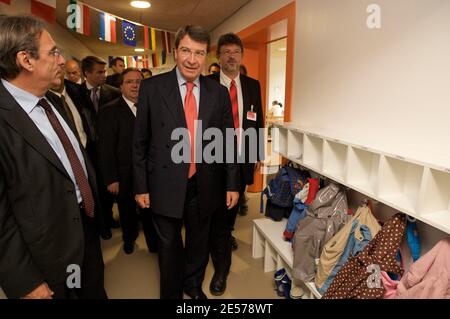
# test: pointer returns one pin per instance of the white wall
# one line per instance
(248, 15)
(387, 88)
(277, 73)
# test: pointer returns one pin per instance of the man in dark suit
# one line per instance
(68, 100)
(183, 191)
(117, 65)
(49, 214)
(98, 94)
(245, 94)
(115, 130)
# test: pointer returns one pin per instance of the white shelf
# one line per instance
(419, 189)
(400, 184)
(279, 140)
(295, 145)
(334, 159)
(362, 170)
(313, 150)
(268, 242)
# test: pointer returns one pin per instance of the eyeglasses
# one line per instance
(57, 52)
(137, 81)
(230, 52)
(185, 52)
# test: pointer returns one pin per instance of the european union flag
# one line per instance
(129, 33)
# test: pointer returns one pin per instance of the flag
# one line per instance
(45, 9)
(129, 33)
(145, 61)
(107, 27)
(149, 38)
(6, 1)
(165, 39)
(163, 57)
(82, 18)
(155, 60)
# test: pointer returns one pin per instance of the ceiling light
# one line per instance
(140, 4)
(281, 49)
(139, 50)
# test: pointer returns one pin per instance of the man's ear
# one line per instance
(23, 60)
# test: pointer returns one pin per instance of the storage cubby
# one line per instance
(295, 145)
(362, 170)
(313, 151)
(334, 160)
(435, 205)
(268, 242)
(279, 140)
(400, 183)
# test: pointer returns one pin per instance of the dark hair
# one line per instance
(229, 38)
(213, 64)
(88, 63)
(126, 71)
(196, 33)
(114, 61)
(146, 70)
(18, 33)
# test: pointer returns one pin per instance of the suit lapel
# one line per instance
(172, 97)
(16, 117)
(245, 101)
(206, 102)
(126, 110)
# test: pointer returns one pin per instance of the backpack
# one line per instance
(281, 190)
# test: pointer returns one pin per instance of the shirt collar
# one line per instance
(90, 87)
(130, 103)
(25, 99)
(225, 79)
(63, 93)
(182, 80)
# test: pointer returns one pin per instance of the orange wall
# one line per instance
(251, 62)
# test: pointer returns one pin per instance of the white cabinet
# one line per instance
(421, 190)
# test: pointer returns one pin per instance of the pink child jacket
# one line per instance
(428, 277)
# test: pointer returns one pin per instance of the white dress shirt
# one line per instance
(131, 105)
(76, 116)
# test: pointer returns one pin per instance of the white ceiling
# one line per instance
(163, 14)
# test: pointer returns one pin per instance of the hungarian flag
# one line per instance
(44, 9)
(149, 38)
(107, 27)
(165, 39)
(82, 18)
(6, 1)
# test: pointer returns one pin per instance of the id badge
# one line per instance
(251, 116)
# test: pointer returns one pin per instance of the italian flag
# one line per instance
(107, 27)
(44, 9)
(83, 19)
(149, 38)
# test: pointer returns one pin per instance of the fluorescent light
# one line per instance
(281, 49)
(140, 4)
(139, 50)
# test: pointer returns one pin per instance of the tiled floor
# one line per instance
(137, 275)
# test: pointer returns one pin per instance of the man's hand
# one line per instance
(232, 199)
(257, 166)
(113, 188)
(143, 200)
(41, 292)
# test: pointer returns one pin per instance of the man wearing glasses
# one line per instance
(115, 137)
(192, 191)
(49, 213)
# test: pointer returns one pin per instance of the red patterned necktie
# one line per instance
(190, 112)
(234, 103)
(80, 176)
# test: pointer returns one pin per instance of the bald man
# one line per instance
(73, 73)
